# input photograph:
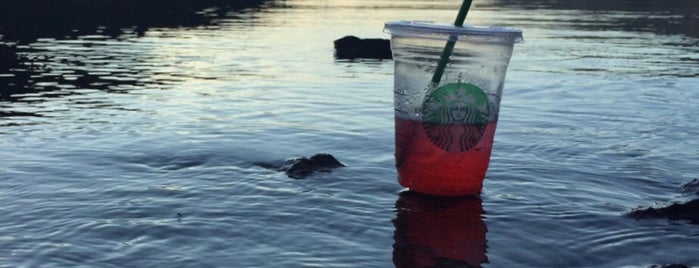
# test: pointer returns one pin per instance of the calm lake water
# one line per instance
(133, 140)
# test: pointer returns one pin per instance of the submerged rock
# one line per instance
(299, 168)
(352, 47)
(688, 211)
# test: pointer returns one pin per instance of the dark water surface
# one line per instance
(129, 137)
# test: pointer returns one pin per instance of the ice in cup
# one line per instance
(444, 127)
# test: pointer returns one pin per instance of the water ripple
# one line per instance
(135, 142)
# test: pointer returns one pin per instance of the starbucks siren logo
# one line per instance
(454, 116)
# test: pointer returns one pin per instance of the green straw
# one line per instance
(449, 47)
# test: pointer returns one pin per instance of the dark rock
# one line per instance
(352, 47)
(299, 168)
(691, 187)
(688, 211)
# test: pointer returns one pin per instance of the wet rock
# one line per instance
(352, 47)
(302, 167)
(688, 211)
(691, 187)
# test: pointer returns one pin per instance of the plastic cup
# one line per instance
(444, 127)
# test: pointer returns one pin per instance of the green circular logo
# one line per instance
(454, 116)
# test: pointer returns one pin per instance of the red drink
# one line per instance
(446, 159)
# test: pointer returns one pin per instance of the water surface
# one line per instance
(134, 142)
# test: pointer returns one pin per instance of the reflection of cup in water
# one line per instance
(433, 231)
(444, 130)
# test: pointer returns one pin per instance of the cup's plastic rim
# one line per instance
(428, 29)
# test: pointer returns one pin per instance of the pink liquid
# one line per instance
(443, 159)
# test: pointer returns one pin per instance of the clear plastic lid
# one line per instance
(427, 29)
